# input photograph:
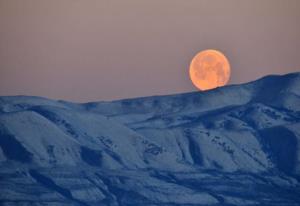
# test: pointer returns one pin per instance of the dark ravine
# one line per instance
(235, 145)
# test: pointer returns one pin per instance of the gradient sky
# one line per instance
(110, 49)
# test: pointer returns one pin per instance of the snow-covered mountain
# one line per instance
(235, 145)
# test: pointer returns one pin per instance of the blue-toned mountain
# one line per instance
(235, 145)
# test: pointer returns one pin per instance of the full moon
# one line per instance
(209, 69)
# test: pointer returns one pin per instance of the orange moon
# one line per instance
(209, 69)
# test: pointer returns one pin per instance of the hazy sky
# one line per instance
(109, 49)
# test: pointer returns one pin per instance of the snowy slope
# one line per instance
(235, 145)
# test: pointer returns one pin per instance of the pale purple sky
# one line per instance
(110, 49)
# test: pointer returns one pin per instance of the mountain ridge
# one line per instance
(288, 75)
